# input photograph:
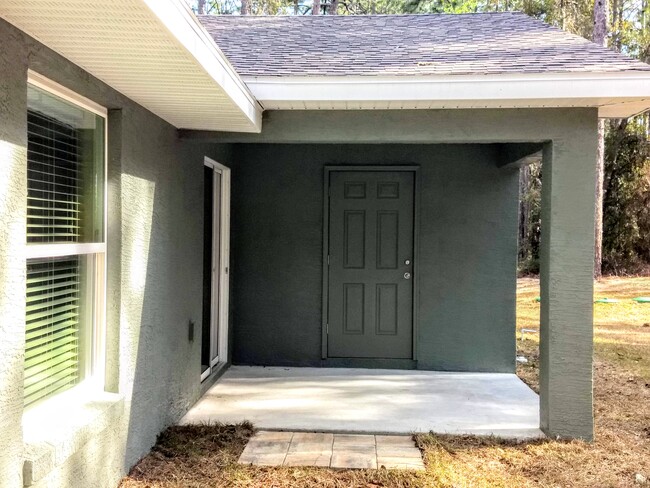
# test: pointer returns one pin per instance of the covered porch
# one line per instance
(376, 401)
(466, 197)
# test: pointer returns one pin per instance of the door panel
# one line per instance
(387, 306)
(353, 308)
(387, 242)
(354, 239)
(370, 309)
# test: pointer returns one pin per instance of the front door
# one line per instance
(370, 309)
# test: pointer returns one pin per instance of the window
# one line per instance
(66, 243)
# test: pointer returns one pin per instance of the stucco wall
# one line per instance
(155, 247)
(569, 140)
(154, 268)
(13, 206)
(467, 244)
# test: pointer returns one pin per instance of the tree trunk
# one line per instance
(201, 7)
(524, 211)
(245, 7)
(600, 37)
(315, 8)
(601, 11)
(334, 7)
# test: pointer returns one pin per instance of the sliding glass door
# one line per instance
(216, 220)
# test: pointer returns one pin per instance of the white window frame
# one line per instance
(96, 252)
(220, 277)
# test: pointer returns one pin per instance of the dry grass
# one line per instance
(205, 456)
(621, 330)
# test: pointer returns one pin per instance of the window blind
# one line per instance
(52, 327)
(53, 285)
(65, 189)
(53, 180)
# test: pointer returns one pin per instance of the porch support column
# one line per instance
(567, 260)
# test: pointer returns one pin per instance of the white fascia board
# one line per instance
(621, 94)
(178, 19)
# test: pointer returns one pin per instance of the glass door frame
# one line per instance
(220, 267)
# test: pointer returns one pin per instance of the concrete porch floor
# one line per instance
(371, 401)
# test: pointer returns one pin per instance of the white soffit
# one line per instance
(616, 95)
(153, 51)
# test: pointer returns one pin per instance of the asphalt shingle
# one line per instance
(488, 43)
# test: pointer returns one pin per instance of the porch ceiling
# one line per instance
(371, 401)
(153, 51)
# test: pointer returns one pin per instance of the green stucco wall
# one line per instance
(13, 201)
(569, 140)
(467, 246)
(154, 269)
(155, 242)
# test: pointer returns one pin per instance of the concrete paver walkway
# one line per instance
(371, 401)
(343, 451)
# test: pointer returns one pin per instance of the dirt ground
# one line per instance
(205, 456)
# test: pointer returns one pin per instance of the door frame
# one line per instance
(415, 169)
(220, 278)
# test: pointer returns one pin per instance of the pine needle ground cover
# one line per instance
(206, 456)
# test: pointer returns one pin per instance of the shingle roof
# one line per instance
(489, 43)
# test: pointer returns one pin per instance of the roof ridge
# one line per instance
(356, 16)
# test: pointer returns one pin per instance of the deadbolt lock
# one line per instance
(407, 262)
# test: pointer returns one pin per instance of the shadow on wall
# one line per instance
(136, 319)
(161, 278)
(156, 286)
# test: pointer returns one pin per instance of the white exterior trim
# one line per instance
(155, 52)
(206, 374)
(222, 276)
(178, 18)
(54, 88)
(33, 251)
(95, 252)
(620, 94)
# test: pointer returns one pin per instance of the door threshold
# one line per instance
(217, 371)
(206, 374)
(369, 363)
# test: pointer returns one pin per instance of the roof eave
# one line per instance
(615, 94)
(202, 47)
(155, 52)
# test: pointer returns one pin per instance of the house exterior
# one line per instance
(179, 194)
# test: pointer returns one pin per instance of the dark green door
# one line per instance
(370, 310)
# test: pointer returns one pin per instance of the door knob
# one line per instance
(407, 276)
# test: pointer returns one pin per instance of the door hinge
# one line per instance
(327, 328)
(328, 259)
